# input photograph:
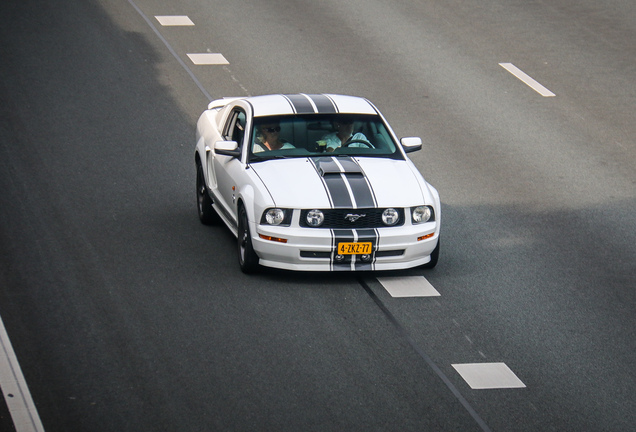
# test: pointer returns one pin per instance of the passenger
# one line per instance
(268, 138)
(342, 135)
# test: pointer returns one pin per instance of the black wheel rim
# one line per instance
(200, 190)
(243, 238)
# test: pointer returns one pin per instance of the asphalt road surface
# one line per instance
(126, 314)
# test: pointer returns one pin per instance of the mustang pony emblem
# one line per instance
(354, 217)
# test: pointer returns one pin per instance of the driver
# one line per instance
(343, 133)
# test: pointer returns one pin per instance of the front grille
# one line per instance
(337, 218)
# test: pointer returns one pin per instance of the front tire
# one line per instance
(248, 260)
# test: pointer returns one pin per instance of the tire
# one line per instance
(434, 257)
(207, 214)
(248, 260)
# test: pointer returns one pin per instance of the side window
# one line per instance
(235, 129)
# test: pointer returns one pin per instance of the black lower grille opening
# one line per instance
(389, 253)
(315, 254)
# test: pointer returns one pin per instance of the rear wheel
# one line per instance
(207, 214)
(248, 260)
(434, 257)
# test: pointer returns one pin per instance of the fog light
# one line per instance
(315, 218)
(365, 258)
(390, 216)
(339, 257)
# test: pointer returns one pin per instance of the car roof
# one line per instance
(288, 104)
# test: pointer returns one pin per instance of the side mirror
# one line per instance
(411, 144)
(227, 148)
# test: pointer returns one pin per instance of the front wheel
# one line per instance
(434, 257)
(248, 260)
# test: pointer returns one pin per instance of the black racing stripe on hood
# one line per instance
(337, 189)
(327, 165)
(349, 165)
(361, 190)
(345, 182)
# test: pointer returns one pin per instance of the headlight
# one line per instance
(421, 214)
(315, 218)
(274, 216)
(390, 216)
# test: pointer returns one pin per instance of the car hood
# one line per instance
(342, 182)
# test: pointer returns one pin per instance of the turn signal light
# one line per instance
(424, 237)
(274, 239)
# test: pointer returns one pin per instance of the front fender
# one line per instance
(255, 198)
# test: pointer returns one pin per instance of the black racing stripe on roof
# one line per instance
(324, 104)
(301, 104)
(290, 102)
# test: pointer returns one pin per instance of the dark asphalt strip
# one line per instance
(172, 51)
(402, 331)
(6, 422)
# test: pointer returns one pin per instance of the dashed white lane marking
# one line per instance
(526, 79)
(488, 376)
(208, 59)
(172, 51)
(15, 390)
(408, 286)
(174, 20)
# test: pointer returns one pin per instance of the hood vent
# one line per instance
(336, 165)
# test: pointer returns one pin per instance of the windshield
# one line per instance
(316, 134)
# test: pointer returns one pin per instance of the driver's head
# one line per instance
(344, 126)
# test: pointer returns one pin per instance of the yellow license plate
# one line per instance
(354, 248)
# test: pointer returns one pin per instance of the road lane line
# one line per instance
(480, 376)
(408, 286)
(402, 331)
(526, 79)
(15, 390)
(172, 51)
(207, 59)
(174, 20)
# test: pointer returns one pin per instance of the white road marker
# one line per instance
(208, 59)
(408, 286)
(15, 390)
(488, 376)
(526, 79)
(174, 20)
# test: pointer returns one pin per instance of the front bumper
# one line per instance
(314, 249)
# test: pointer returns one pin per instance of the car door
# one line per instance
(228, 168)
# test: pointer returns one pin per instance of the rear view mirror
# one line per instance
(411, 144)
(227, 148)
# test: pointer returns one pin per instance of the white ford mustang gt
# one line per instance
(314, 182)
